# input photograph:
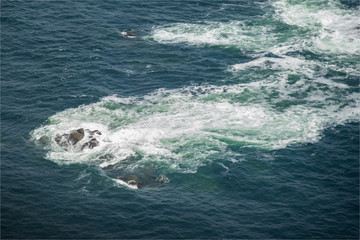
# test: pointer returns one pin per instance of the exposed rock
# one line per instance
(62, 140)
(132, 180)
(92, 133)
(91, 144)
(76, 135)
(95, 132)
(130, 34)
(141, 181)
(107, 156)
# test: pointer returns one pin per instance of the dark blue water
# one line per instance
(237, 119)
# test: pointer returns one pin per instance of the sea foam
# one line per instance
(279, 98)
(186, 128)
(334, 29)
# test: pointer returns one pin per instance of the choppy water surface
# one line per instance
(229, 119)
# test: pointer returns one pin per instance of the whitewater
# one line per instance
(184, 119)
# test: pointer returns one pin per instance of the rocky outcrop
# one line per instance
(71, 139)
(76, 135)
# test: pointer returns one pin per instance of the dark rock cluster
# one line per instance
(71, 139)
(80, 139)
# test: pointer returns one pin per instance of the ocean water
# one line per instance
(219, 119)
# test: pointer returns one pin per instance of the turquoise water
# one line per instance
(234, 119)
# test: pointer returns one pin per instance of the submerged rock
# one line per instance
(44, 140)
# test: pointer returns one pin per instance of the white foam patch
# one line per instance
(186, 128)
(329, 29)
(233, 33)
(290, 64)
(296, 65)
(334, 29)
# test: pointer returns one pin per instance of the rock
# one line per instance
(44, 140)
(130, 34)
(58, 138)
(141, 181)
(66, 140)
(107, 156)
(91, 144)
(76, 135)
(162, 179)
(132, 180)
(62, 140)
(96, 132)
(92, 133)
